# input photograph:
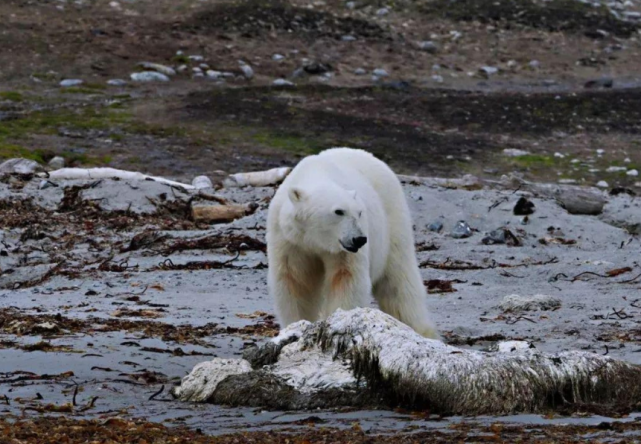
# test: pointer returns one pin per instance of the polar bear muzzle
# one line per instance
(354, 244)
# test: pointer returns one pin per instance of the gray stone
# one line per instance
(247, 70)
(157, 67)
(360, 71)
(515, 303)
(19, 166)
(71, 82)
(580, 201)
(57, 162)
(461, 230)
(201, 182)
(380, 72)
(149, 76)
(435, 226)
(116, 82)
(428, 46)
(282, 82)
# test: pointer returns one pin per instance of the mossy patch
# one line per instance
(288, 142)
(11, 96)
(10, 151)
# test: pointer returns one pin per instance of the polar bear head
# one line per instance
(328, 219)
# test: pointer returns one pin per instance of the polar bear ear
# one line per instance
(352, 193)
(297, 195)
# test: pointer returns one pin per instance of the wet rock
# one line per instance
(116, 82)
(149, 76)
(201, 182)
(57, 162)
(200, 384)
(435, 226)
(19, 166)
(248, 71)
(599, 83)
(71, 82)
(523, 207)
(157, 67)
(580, 201)
(461, 230)
(282, 82)
(502, 236)
(428, 46)
(515, 303)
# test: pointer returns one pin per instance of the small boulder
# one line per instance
(579, 201)
(19, 166)
(515, 303)
(57, 163)
(149, 76)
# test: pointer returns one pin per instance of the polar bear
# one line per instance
(339, 230)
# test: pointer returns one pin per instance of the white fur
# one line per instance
(311, 273)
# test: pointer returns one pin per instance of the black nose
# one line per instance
(358, 242)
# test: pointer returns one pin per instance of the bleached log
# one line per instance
(257, 178)
(365, 350)
(211, 212)
(108, 173)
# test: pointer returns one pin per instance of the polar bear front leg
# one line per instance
(294, 282)
(347, 282)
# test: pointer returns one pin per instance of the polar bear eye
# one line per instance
(339, 213)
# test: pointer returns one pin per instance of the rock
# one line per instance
(488, 70)
(632, 173)
(57, 162)
(71, 82)
(216, 75)
(360, 71)
(247, 70)
(382, 12)
(602, 184)
(278, 57)
(317, 68)
(166, 70)
(513, 152)
(616, 169)
(580, 201)
(19, 166)
(282, 82)
(523, 207)
(514, 303)
(350, 5)
(149, 76)
(348, 38)
(201, 182)
(116, 82)
(461, 230)
(534, 64)
(380, 72)
(502, 236)
(599, 83)
(428, 46)
(201, 382)
(437, 78)
(213, 212)
(196, 58)
(435, 226)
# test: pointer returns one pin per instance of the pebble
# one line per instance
(461, 230)
(428, 46)
(278, 57)
(196, 58)
(149, 76)
(600, 151)
(196, 69)
(282, 82)
(559, 155)
(247, 70)
(380, 72)
(70, 82)
(348, 38)
(435, 226)
(214, 74)
(627, 160)
(633, 173)
(116, 82)
(182, 68)
(513, 152)
(501, 236)
(602, 184)
(157, 67)
(204, 66)
(360, 71)
(350, 5)
(437, 78)
(534, 64)
(382, 12)
(57, 162)
(201, 182)
(616, 169)
(488, 70)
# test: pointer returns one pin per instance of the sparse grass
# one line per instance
(9, 151)
(12, 96)
(535, 161)
(287, 142)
